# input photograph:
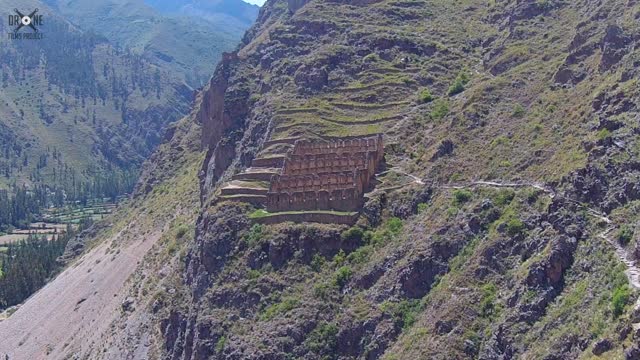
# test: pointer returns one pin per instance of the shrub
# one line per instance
(342, 276)
(371, 58)
(404, 312)
(488, 299)
(354, 233)
(321, 291)
(458, 85)
(461, 196)
(625, 234)
(532, 195)
(518, 111)
(254, 235)
(253, 274)
(181, 231)
(220, 344)
(282, 307)
(440, 109)
(317, 262)
(603, 134)
(504, 197)
(619, 299)
(340, 258)
(425, 96)
(323, 339)
(394, 225)
(171, 247)
(360, 255)
(422, 207)
(515, 226)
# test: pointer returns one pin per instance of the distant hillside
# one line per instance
(75, 111)
(186, 38)
(212, 10)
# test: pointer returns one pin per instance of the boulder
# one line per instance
(602, 346)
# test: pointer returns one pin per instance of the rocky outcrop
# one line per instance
(613, 46)
(218, 233)
(602, 346)
(311, 78)
(222, 110)
(294, 5)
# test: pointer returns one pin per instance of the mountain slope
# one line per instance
(518, 266)
(185, 43)
(129, 258)
(77, 111)
(512, 170)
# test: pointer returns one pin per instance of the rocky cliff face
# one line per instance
(518, 119)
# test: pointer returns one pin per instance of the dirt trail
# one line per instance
(632, 272)
(72, 312)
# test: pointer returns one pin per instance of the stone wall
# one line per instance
(326, 175)
(339, 200)
(327, 218)
(328, 163)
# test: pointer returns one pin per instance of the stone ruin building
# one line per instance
(326, 175)
(313, 175)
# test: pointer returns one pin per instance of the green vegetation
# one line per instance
(360, 255)
(440, 109)
(181, 231)
(458, 84)
(280, 308)
(624, 235)
(422, 207)
(220, 344)
(255, 234)
(515, 226)
(19, 209)
(389, 230)
(394, 225)
(317, 261)
(354, 233)
(619, 299)
(518, 111)
(461, 196)
(323, 339)
(342, 276)
(26, 265)
(603, 134)
(504, 197)
(404, 312)
(425, 96)
(488, 306)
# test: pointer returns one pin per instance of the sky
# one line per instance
(256, 2)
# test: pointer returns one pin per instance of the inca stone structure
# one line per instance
(314, 175)
(326, 175)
